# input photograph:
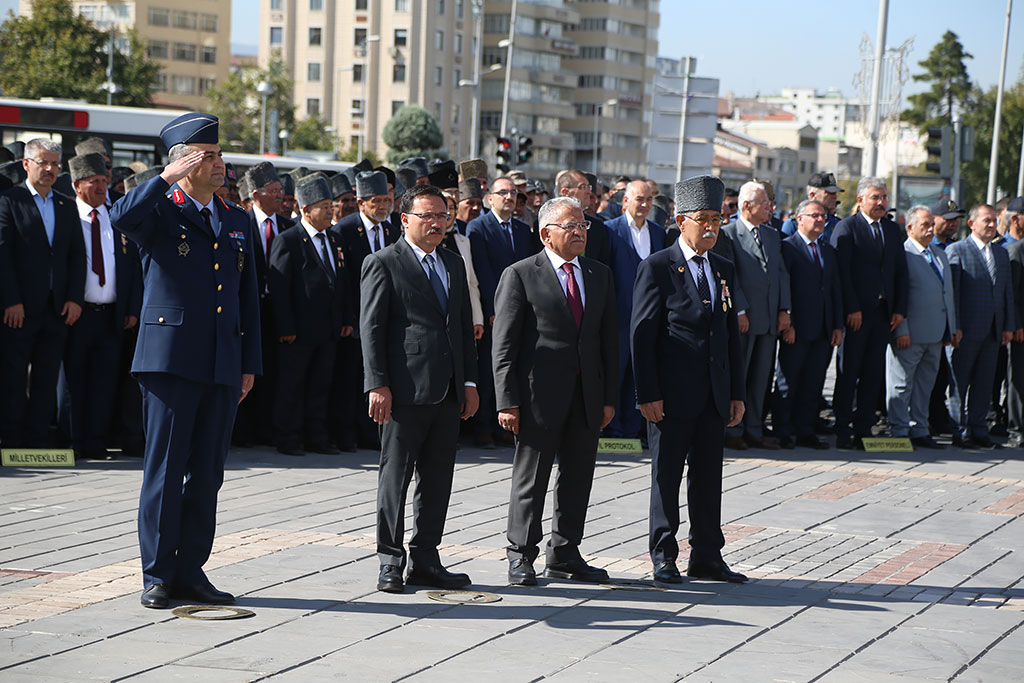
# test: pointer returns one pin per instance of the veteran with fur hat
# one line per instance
(197, 355)
(689, 380)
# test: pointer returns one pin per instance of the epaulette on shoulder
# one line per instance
(230, 205)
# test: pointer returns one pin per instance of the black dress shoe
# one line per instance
(156, 597)
(811, 442)
(714, 571)
(666, 572)
(290, 450)
(984, 443)
(845, 443)
(765, 443)
(521, 573)
(576, 570)
(786, 442)
(390, 580)
(204, 593)
(484, 441)
(436, 576)
(324, 448)
(505, 439)
(735, 443)
(926, 442)
(348, 446)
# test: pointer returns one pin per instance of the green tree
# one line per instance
(240, 106)
(950, 89)
(412, 131)
(351, 153)
(975, 173)
(55, 52)
(311, 133)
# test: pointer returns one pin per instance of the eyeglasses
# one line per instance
(707, 221)
(814, 216)
(429, 217)
(570, 227)
(44, 164)
(504, 193)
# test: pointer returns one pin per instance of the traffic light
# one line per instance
(523, 151)
(940, 145)
(967, 143)
(504, 155)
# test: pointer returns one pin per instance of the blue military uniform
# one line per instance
(199, 333)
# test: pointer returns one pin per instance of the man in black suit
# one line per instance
(873, 273)
(308, 284)
(360, 234)
(111, 304)
(416, 329)
(42, 279)
(556, 380)
(689, 382)
(574, 184)
(254, 422)
(816, 326)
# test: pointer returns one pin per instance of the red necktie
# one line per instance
(573, 294)
(817, 259)
(270, 238)
(97, 248)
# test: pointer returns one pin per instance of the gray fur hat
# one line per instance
(87, 165)
(311, 192)
(407, 175)
(340, 185)
(133, 181)
(470, 188)
(700, 193)
(418, 164)
(260, 175)
(93, 145)
(371, 184)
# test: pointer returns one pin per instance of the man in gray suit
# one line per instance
(555, 357)
(416, 329)
(982, 282)
(912, 356)
(762, 275)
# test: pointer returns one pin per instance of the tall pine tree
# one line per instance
(950, 90)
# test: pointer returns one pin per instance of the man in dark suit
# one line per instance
(574, 184)
(873, 273)
(197, 355)
(687, 356)
(470, 204)
(816, 326)
(255, 420)
(632, 238)
(761, 274)
(555, 377)
(1015, 366)
(111, 303)
(497, 240)
(985, 308)
(309, 286)
(417, 336)
(42, 279)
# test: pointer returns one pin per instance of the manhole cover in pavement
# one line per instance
(463, 597)
(210, 613)
(632, 586)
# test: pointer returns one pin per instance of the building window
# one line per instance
(396, 105)
(276, 34)
(353, 140)
(185, 19)
(357, 109)
(401, 5)
(357, 73)
(312, 106)
(437, 111)
(185, 52)
(456, 78)
(361, 4)
(158, 49)
(316, 4)
(456, 114)
(275, 4)
(159, 16)
(401, 37)
(460, 8)
(458, 43)
(439, 41)
(205, 84)
(208, 54)
(438, 75)
(398, 73)
(313, 72)
(208, 23)
(184, 85)
(316, 36)
(359, 37)
(161, 82)
(440, 7)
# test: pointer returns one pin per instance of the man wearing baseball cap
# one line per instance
(821, 187)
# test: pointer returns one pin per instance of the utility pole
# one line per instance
(682, 116)
(874, 113)
(508, 68)
(958, 134)
(993, 162)
(478, 52)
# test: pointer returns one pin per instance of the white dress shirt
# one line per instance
(94, 294)
(641, 235)
(563, 277)
(986, 252)
(261, 228)
(319, 247)
(688, 254)
(212, 206)
(370, 235)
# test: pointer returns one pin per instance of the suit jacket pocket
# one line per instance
(163, 315)
(412, 346)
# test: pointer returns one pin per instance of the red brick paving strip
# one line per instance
(1012, 505)
(846, 486)
(911, 565)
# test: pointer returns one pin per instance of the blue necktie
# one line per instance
(931, 262)
(435, 282)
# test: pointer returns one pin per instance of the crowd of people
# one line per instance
(403, 309)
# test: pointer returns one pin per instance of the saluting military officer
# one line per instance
(197, 354)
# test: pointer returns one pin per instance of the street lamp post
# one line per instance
(265, 90)
(597, 131)
(474, 133)
(510, 44)
(366, 105)
(283, 135)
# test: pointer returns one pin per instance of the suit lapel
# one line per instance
(681, 270)
(547, 273)
(421, 283)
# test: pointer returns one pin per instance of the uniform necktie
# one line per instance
(325, 255)
(97, 248)
(205, 213)
(270, 237)
(702, 283)
(435, 282)
(572, 293)
(931, 262)
(816, 257)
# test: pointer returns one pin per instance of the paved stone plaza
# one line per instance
(864, 568)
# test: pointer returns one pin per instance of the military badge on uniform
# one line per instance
(726, 296)
(124, 244)
(341, 257)
(183, 249)
(178, 197)
(241, 260)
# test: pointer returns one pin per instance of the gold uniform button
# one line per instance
(220, 287)
(182, 235)
(216, 266)
(160, 319)
(215, 245)
(219, 309)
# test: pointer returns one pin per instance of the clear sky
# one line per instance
(755, 47)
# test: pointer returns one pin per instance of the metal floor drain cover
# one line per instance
(221, 613)
(633, 586)
(463, 597)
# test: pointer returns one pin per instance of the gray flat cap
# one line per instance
(371, 184)
(314, 191)
(700, 193)
(87, 165)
